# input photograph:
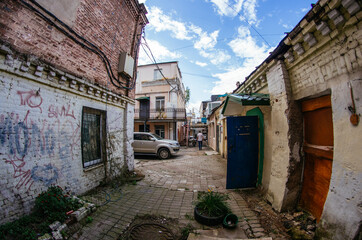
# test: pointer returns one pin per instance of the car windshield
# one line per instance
(156, 136)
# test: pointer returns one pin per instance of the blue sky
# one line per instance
(217, 42)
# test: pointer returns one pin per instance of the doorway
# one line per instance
(318, 152)
(243, 150)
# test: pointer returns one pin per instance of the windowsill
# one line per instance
(90, 168)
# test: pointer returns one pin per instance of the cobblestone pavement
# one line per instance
(169, 189)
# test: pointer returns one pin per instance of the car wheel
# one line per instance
(163, 153)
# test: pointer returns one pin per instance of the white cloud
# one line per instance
(203, 41)
(252, 55)
(161, 22)
(225, 8)
(216, 57)
(206, 41)
(160, 52)
(250, 11)
(245, 46)
(231, 8)
(142, 1)
(201, 64)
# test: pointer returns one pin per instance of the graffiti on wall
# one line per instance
(38, 138)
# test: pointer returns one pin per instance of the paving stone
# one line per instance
(257, 229)
(157, 194)
(253, 225)
(259, 234)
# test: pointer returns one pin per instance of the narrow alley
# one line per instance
(169, 189)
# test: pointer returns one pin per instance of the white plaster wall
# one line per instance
(330, 69)
(342, 212)
(40, 142)
(128, 137)
(267, 146)
(279, 135)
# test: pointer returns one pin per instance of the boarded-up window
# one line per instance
(93, 136)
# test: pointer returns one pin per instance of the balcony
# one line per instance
(165, 115)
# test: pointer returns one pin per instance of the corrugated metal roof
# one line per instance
(253, 99)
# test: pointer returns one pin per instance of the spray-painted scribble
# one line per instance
(31, 98)
(23, 138)
(55, 112)
(23, 176)
(47, 174)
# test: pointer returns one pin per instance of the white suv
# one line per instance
(150, 143)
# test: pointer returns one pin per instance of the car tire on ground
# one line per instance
(163, 153)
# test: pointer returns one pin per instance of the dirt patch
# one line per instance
(291, 225)
(156, 227)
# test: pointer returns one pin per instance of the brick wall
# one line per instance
(322, 63)
(108, 24)
(40, 136)
(45, 81)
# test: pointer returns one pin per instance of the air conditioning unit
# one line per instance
(125, 64)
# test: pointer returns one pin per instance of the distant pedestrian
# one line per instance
(200, 137)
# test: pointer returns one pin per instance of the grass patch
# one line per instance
(50, 206)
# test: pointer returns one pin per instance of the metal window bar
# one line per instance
(167, 113)
(91, 139)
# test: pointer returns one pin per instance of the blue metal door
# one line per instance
(243, 150)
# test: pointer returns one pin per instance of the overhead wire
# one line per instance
(152, 58)
(244, 19)
(83, 42)
(199, 75)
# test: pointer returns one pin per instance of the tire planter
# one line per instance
(206, 220)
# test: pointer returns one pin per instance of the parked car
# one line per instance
(150, 143)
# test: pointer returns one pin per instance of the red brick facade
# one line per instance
(110, 25)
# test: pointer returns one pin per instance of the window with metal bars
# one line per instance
(93, 136)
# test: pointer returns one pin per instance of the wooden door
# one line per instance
(318, 150)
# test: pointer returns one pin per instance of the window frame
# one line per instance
(161, 130)
(157, 74)
(160, 100)
(102, 134)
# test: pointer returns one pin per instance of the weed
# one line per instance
(53, 204)
(185, 231)
(50, 206)
(64, 234)
(89, 219)
(189, 217)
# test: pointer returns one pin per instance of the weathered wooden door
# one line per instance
(243, 150)
(318, 149)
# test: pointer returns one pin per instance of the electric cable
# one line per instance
(152, 58)
(87, 44)
(244, 19)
